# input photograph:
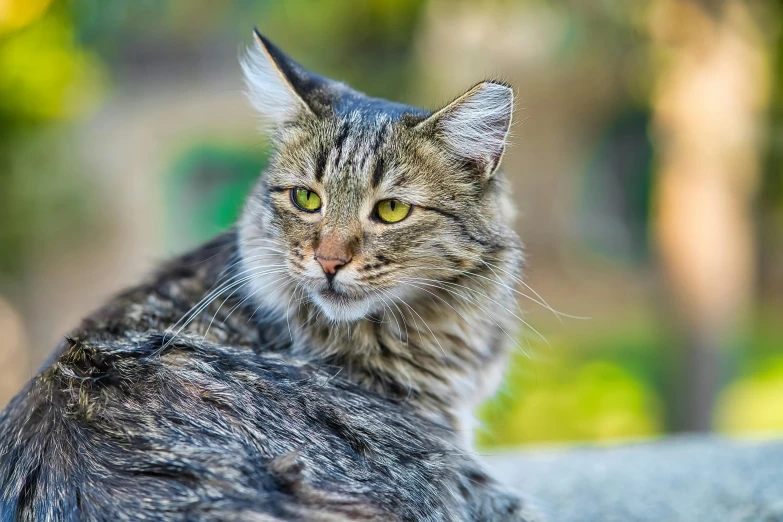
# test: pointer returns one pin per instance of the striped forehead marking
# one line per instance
(354, 152)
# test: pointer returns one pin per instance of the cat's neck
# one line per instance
(443, 351)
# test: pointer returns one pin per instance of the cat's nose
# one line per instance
(330, 265)
(333, 252)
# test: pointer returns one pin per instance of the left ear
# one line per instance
(475, 126)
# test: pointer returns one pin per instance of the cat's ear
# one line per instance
(277, 85)
(475, 126)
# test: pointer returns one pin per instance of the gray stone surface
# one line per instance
(684, 479)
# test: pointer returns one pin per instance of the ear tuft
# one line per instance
(476, 125)
(268, 88)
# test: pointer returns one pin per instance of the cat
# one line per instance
(319, 361)
(401, 252)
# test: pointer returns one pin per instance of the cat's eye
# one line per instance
(305, 199)
(392, 210)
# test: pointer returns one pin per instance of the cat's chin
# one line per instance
(341, 308)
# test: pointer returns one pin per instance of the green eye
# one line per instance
(392, 210)
(305, 199)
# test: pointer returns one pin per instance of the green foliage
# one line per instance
(752, 404)
(205, 190)
(44, 74)
(45, 77)
(583, 390)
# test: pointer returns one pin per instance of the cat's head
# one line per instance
(366, 202)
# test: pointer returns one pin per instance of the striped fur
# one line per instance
(230, 387)
(428, 309)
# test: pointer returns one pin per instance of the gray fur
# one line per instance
(223, 389)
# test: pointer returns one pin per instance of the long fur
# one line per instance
(234, 385)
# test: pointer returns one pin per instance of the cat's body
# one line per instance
(219, 427)
(320, 360)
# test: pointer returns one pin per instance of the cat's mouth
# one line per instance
(333, 295)
(342, 306)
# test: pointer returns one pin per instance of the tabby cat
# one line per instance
(321, 360)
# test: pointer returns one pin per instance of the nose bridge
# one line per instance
(333, 244)
(340, 227)
(340, 231)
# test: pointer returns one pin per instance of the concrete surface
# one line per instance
(683, 479)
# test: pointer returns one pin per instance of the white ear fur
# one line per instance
(268, 90)
(476, 125)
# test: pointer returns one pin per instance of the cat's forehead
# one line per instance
(351, 147)
(359, 151)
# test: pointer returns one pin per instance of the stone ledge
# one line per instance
(680, 479)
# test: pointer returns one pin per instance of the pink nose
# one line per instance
(330, 266)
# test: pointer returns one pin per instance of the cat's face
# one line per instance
(368, 204)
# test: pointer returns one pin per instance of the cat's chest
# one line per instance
(443, 364)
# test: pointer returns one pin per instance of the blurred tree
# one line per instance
(615, 195)
(711, 91)
(771, 192)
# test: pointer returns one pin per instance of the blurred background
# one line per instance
(646, 162)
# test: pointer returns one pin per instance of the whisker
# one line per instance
(287, 318)
(387, 307)
(202, 304)
(494, 301)
(240, 303)
(543, 302)
(491, 319)
(214, 316)
(426, 325)
(402, 316)
(439, 297)
(285, 278)
(474, 275)
(497, 303)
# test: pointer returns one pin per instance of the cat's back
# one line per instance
(207, 432)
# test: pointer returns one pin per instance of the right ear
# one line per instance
(276, 84)
(475, 126)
